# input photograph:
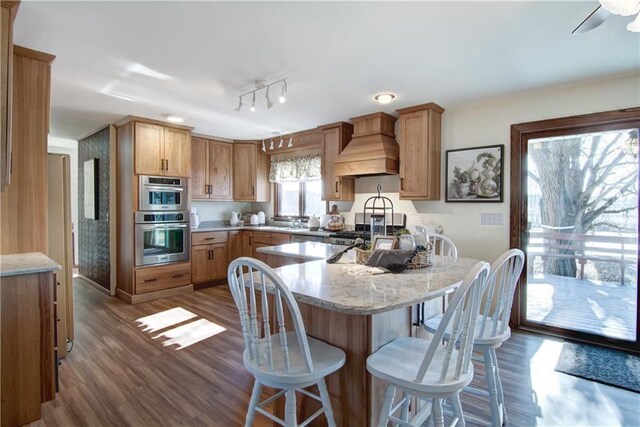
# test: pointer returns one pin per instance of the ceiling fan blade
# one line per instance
(595, 19)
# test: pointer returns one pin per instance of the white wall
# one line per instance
(69, 147)
(489, 123)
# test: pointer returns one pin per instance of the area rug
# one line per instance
(606, 366)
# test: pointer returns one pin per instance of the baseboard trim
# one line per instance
(150, 296)
(93, 284)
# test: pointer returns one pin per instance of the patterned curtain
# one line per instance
(296, 169)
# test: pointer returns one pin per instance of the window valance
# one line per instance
(296, 169)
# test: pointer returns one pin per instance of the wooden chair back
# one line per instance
(458, 322)
(498, 294)
(253, 284)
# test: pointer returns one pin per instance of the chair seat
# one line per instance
(486, 340)
(326, 360)
(399, 361)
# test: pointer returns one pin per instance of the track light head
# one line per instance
(290, 144)
(253, 104)
(264, 147)
(239, 104)
(271, 144)
(282, 99)
(269, 101)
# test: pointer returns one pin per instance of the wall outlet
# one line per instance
(491, 219)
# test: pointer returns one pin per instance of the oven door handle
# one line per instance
(156, 226)
(161, 188)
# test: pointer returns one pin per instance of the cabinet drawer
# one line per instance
(280, 238)
(209, 237)
(151, 279)
(262, 237)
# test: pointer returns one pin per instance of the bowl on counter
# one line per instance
(240, 223)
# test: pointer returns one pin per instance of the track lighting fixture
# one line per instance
(281, 142)
(290, 144)
(264, 147)
(282, 98)
(261, 84)
(271, 144)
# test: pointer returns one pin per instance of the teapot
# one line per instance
(235, 217)
(253, 219)
(313, 223)
(261, 218)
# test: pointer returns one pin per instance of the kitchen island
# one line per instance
(359, 310)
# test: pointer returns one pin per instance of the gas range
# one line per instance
(363, 229)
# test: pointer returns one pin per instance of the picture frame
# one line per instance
(384, 242)
(475, 174)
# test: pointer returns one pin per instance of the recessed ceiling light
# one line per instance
(174, 119)
(384, 98)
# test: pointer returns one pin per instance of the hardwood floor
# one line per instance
(118, 375)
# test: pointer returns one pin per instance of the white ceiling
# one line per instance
(336, 55)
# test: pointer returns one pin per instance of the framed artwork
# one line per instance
(384, 242)
(90, 189)
(475, 174)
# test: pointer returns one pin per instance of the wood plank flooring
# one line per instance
(118, 375)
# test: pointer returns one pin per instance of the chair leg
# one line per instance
(290, 409)
(438, 416)
(385, 409)
(255, 399)
(457, 410)
(490, 374)
(499, 386)
(326, 402)
(404, 415)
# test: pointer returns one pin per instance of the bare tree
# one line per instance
(581, 178)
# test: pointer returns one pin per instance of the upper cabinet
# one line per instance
(8, 11)
(420, 153)
(162, 150)
(250, 173)
(211, 169)
(335, 138)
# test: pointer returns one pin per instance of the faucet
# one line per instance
(296, 223)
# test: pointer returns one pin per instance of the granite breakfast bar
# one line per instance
(359, 310)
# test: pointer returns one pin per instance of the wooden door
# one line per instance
(220, 159)
(200, 263)
(219, 262)
(149, 149)
(199, 171)
(244, 172)
(330, 152)
(177, 152)
(235, 245)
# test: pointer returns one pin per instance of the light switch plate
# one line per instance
(491, 219)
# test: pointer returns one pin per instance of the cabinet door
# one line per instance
(330, 151)
(220, 160)
(200, 263)
(235, 245)
(419, 157)
(244, 172)
(219, 262)
(149, 151)
(199, 175)
(177, 152)
(6, 68)
(258, 255)
(247, 236)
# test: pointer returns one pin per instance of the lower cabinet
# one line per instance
(263, 239)
(209, 258)
(157, 278)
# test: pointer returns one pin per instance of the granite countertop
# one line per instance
(29, 263)
(225, 226)
(351, 288)
(310, 251)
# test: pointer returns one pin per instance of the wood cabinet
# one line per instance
(211, 169)
(262, 239)
(335, 138)
(162, 150)
(8, 12)
(235, 244)
(250, 173)
(420, 152)
(209, 259)
(157, 278)
(248, 243)
(23, 203)
(28, 372)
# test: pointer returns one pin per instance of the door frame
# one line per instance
(520, 135)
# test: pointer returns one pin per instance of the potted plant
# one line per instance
(462, 180)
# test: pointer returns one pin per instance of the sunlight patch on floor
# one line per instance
(191, 333)
(583, 403)
(164, 319)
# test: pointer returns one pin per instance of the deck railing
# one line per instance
(622, 250)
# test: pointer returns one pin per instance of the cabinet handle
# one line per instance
(336, 186)
(209, 238)
(175, 276)
(402, 184)
(253, 190)
(210, 189)
(167, 160)
(250, 240)
(151, 280)
(161, 164)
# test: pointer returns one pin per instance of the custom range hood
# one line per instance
(373, 149)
